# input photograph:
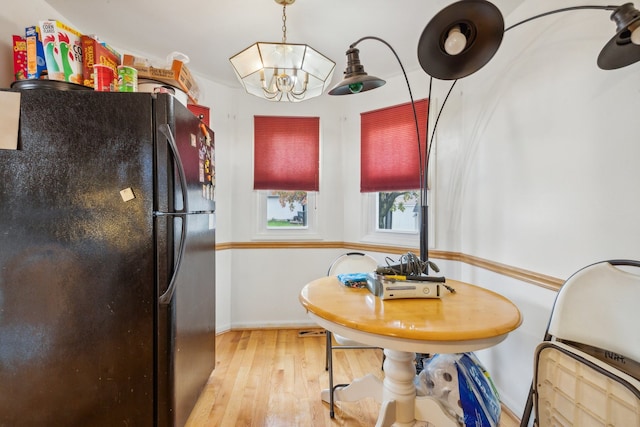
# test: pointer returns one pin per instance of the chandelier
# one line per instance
(283, 71)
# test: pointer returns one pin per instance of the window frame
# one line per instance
(263, 232)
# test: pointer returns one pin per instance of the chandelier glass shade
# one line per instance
(283, 71)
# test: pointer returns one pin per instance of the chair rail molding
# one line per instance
(538, 279)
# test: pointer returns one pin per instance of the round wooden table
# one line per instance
(470, 319)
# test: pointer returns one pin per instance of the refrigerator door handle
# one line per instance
(166, 131)
(166, 297)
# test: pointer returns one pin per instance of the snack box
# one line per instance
(95, 52)
(36, 65)
(19, 58)
(62, 51)
(178, 75)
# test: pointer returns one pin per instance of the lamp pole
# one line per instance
(423, 159)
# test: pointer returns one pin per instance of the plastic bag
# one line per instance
(463, 388)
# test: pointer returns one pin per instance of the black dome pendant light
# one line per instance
(460, 39)
(623, 49)
(464, 36)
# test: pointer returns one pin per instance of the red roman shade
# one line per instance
(286, 153)
(389, 159)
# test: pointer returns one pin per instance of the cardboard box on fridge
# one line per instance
(62, 51)
(36, 64)
(19, 58)
(95, 52)
(178, 75)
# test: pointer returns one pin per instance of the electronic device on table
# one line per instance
(393, 286)
(408, 278)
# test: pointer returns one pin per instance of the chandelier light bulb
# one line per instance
(455, 42)
(284, 83)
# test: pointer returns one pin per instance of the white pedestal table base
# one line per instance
(397, 395)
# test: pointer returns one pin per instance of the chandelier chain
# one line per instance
(284, 23)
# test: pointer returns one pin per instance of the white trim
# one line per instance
(261, 232)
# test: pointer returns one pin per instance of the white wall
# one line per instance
(546, 149)
(222, 106)
(510, 363)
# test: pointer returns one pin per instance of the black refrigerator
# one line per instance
(107, 261)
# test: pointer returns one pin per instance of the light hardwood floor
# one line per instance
(273, 378)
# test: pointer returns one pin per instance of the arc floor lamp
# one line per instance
(457, 42)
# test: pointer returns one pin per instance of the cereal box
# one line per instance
(36, 65)
(19, 58)
(95, 52)
(62, 51)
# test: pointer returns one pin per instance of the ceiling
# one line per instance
(209, 32)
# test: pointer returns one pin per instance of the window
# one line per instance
(286, 170)
(287, 209)
(391, 164)
(398, 211)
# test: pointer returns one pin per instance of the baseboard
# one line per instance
(279, 325)
(509, 413)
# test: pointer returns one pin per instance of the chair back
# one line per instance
(352, 262)
(587, 368)
(598, 306)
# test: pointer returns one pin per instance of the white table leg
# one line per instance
(398, 386)
(387, 414)
(396, 393)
